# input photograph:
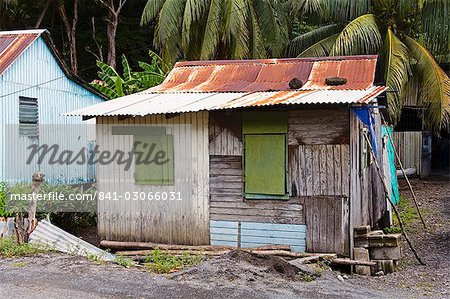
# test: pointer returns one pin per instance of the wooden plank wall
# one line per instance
(318, 167)
(327, 225)
(183, 221)
(227, 200)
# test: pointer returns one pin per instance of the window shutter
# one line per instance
(151, 173)
(265, 164)
(28, 117)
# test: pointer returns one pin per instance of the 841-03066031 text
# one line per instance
(136, 195)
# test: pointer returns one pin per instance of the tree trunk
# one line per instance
(70, 29)
(37, 180)
(113, 22)
(42, 15)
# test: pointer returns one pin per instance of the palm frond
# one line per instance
(396, 72)
(211, 36)
(273, 24)
(151, 11)
(193, 12)
(361, 36)
(436, 26)
(236, 29)
(321, 48)
(346, 10)
(304, 41)
(434, 87)
(257, 42)
(168, 30)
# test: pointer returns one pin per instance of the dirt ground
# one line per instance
(239, 275)
(433, 245)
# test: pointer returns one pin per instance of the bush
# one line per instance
(3, 191)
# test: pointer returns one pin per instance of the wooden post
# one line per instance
(21, 231)
(386, 190)
(404, 174)
(37, 179)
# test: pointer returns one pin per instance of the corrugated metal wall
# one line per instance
(56, 96)
(183, 221)
(409, 148)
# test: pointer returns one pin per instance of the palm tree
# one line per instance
(408, 34)
(217, 29)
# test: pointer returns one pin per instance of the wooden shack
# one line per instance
(257, 160)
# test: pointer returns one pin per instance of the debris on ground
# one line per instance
(55, 238)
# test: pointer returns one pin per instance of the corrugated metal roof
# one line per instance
(13, 44)
(269, 74)
(141, 104)
(215, 85)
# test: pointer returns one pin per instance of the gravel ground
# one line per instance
(237, 276)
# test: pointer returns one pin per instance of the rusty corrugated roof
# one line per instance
(216, 85)
(13, 44)
(269, 74)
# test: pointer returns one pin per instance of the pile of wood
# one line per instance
(138, 250)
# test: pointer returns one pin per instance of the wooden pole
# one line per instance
(386, 190)
(404, 174)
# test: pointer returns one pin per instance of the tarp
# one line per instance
(365, 115)
(395, 194)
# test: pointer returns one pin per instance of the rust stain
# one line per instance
(12, 46)
(269, 74)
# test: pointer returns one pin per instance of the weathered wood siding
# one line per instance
(327, 224)
(183, 221)
(318, 172)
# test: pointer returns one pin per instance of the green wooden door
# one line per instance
(265, 164)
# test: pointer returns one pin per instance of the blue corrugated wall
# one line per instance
(37, 74)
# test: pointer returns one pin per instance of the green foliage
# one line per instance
(123, 261)
(399, 30)
(392, 230)
(10, 248)
(160, 262)
(217, 29)
(4, 212)
(95, 258)
(69, 221)
(113, 85)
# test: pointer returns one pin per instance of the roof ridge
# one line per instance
(25, 31)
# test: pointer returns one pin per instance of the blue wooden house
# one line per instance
(36, 88)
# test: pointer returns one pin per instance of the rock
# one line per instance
(385, 253)
(340, 278)
(392, 240)
(345, 276)
(379, 273)
(361, 254)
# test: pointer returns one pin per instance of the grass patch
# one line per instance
(10, 248)
(123, 261)
(94, 258)
(409, 215)
(160, 262)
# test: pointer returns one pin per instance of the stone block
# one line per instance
(361, 230)
(392, 240)
(361, 254)
(385, 253)
(376, 240)
(387, 266)
(361, 241)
